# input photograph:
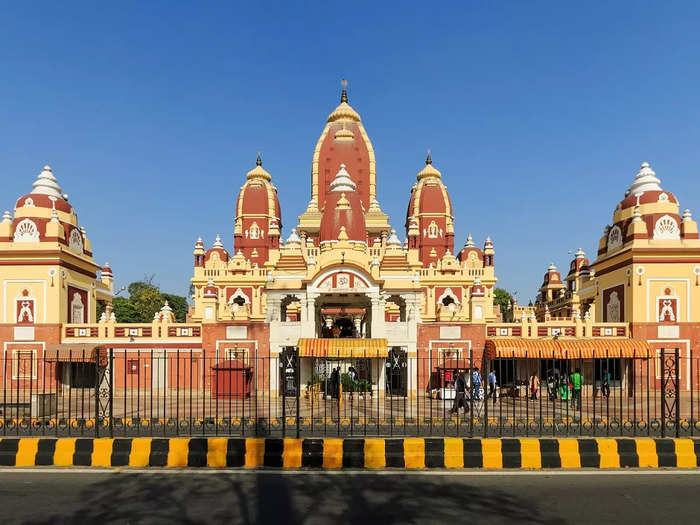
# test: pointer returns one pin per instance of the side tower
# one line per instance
(258, 216)
(429, 218)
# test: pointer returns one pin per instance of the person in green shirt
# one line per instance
(576, 382)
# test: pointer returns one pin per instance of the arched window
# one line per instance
(26, 231)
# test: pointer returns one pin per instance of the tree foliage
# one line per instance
(179, 306)
(503, 299)
(124, 311)
(144, 301)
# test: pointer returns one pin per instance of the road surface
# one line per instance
(183, 497)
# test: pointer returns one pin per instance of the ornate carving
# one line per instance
(666, 227)
(26, 231)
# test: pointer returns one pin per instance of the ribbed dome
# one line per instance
(258, 171)
(47, 184)
(258, 196)
(428, 170)
(344, 111)
(429, 194)
(46, 193)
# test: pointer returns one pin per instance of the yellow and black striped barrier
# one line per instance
(352, 453)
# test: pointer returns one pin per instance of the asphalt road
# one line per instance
(311, 498)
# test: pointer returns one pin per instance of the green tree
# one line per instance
(179, 306)
(146, 300)
(503, 299)
(124, 310)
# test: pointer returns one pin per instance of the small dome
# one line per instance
(645, 189)
(344, 111)
(46, 184)
(645, 180)
(258, 172)
(46, 193)
(293, 239)
(258, 196)
(429, 195)
(428, 170)
(393, 240)
(343, 211)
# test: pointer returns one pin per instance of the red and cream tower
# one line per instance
(343, 273)
(430, 215)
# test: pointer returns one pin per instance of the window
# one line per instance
(132, 366)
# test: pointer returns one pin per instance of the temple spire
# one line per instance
(344, 93)
(428, 160)
(258, 161)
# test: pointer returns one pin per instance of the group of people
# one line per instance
(559, 385)
(468, 387)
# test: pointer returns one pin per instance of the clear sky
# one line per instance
(538, 114)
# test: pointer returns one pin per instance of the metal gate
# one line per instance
(104, 393)
(289, 378)
(397, 372)
(670, 393)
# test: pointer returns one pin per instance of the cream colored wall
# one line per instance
(50, 292)
(643, 290)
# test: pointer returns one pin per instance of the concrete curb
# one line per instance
(328, 453)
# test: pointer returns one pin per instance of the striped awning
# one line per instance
(567, 348)
(343, 347)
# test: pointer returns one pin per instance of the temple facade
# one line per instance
(343, 284)
(345, 288)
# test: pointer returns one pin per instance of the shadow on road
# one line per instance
(286, 499)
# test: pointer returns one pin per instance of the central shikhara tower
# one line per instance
(343, 271)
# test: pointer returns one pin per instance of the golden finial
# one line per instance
(428, 160)
(258, 162)
(344, 94)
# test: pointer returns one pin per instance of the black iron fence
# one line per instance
(439, 393)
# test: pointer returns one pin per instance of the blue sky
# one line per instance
(538, 114)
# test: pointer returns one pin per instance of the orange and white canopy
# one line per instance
(343, 348)
(567, 348)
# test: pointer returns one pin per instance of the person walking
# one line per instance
(576, 383)
(534, 386)
(476, 383)
(552, 387)
(493, 381)
(460, 390)
(335, 383)
(605, 387)
(563, 387)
